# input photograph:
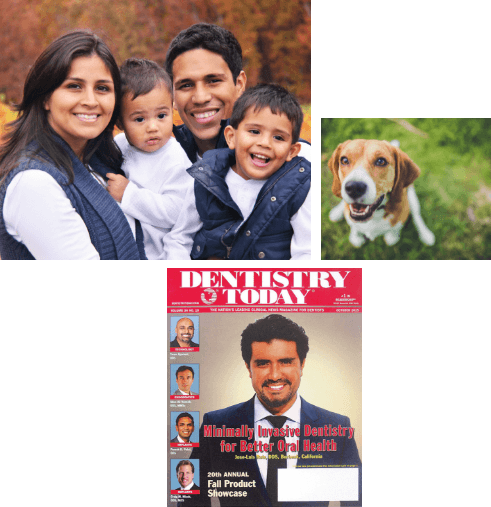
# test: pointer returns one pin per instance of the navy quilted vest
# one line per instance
(267, 233)
(186, 139)
(108, 228)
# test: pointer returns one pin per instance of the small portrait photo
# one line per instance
(184, 381)
(184, 473)
(184, 429)
(184, 333)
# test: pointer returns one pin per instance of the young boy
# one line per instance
(251, 201)
(154, 162)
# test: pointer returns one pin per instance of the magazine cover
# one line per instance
(264, 387)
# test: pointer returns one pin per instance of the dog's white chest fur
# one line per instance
(376, 226)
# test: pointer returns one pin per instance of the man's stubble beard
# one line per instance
(275, 403)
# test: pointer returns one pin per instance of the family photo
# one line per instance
(186, 142)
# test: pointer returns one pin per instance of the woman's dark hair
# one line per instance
(214, 38)
(46, 75)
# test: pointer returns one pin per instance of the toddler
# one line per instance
(154, 163)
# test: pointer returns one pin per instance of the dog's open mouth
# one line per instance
(360, 212)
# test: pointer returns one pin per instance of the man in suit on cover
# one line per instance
(184, 428)
(184, 379)
(185, 475)
(274, 350)
(184, 334)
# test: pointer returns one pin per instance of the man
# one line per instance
(184, 334)
(205, 64)
(274, 350)
(185, 475)
(184, 379)
(184, 428)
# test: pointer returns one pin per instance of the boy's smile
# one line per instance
(204, 93)
(262, 143)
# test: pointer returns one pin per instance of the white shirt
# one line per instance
(155, 194)
(187, 487)
(293, 421)
(244, 192)
(38, 214)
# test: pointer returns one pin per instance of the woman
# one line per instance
(55, 157)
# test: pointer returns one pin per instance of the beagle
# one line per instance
(374, 179)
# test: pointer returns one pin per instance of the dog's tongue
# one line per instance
(359, 207)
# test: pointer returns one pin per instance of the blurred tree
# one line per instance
(275, 39)
(20, 42)
(274, 34)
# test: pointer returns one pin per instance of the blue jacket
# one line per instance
(109, 230)
(212, 459)
(267, 232)
(186, 139)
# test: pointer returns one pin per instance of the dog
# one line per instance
(374, 179)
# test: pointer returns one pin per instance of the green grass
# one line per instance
(454, 188)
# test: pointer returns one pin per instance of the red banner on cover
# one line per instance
(265, 290)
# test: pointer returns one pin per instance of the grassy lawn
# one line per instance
(454, 188)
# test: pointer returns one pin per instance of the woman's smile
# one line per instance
(82, 106)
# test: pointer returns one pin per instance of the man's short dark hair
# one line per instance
(140, 76)
(277, 98)
(270, 328)
(182, 416)
(184, 368)
(206, 36)
(184, 462)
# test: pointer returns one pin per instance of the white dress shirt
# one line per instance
(293, 421)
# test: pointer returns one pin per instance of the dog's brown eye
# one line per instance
(344, 160)
(381, 162)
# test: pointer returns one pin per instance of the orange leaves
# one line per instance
(274, 34)
(306, 133)
(6, 116)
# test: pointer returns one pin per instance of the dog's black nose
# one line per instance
(355, 189)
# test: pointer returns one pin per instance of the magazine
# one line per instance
(264, 387)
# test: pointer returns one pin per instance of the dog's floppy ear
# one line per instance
(333, 165)
(406, 172)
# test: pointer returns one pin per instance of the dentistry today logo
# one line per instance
(208, 296)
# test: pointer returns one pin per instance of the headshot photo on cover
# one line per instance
(184, 428)
(185, 475)
(184, 381)
(184, 333)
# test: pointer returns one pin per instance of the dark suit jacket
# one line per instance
(175, 440)
(175, 344)
(195, 487)
(212, 459)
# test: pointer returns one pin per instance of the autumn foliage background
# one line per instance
(274, 35)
